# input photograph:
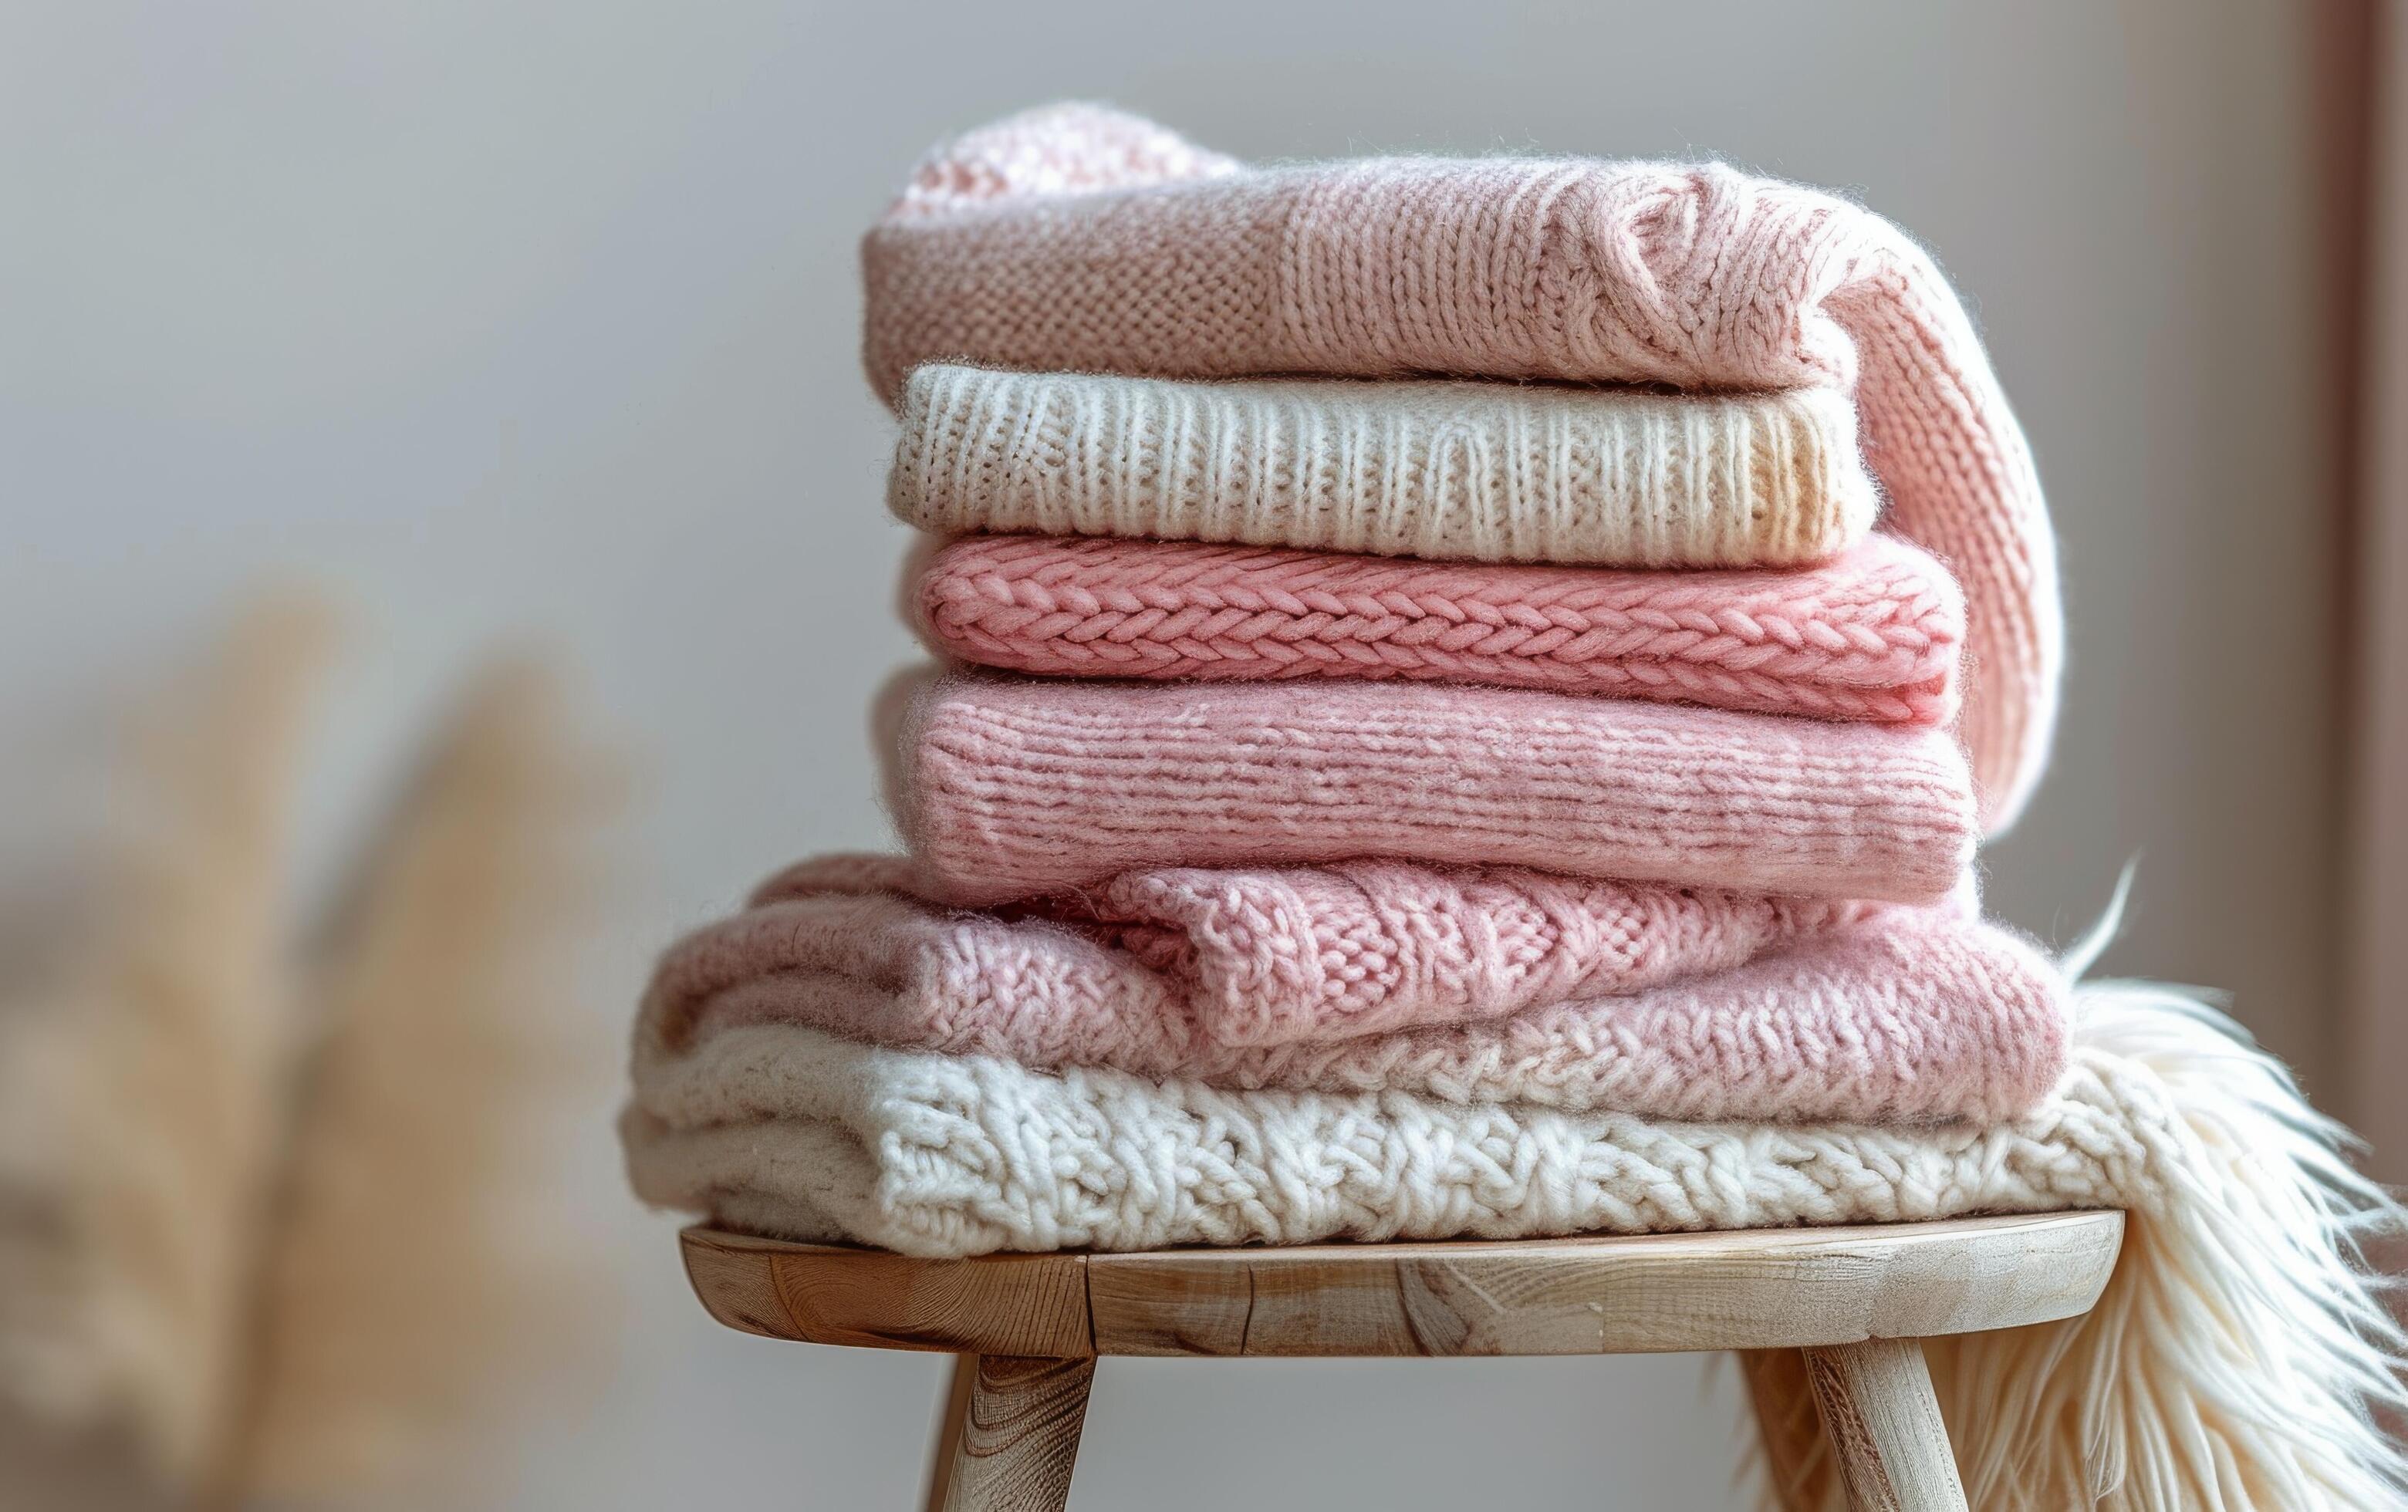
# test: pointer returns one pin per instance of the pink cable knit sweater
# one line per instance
(1499, 986)
(1006, 788)
(1872, 636)
(1073, 237)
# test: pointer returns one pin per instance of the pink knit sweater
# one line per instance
(1873, 636)
(1073, 237)
(1006, 788)
(1792, 1010)
(1264, 956)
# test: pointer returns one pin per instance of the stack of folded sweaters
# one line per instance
(1365, 794)
(1472, 692)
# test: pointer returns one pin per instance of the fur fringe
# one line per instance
(2242, 1357)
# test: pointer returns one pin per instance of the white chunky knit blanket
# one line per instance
(2233, 1361)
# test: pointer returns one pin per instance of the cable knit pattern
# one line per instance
(965, 1154)
(1874, 636)
(1006, 787)
(1906, 1015)
(1480, 472)
(1696, 275)
(1263, 956)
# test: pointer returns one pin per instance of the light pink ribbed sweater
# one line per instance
(1793, 1010)
(1873, 636)
(1006, 788)
(1074, 238)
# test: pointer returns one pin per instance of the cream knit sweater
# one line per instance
(1479, 472)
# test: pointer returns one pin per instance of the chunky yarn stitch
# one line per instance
(942, 1155)
(1006, 787)
(1048, 241)
(1874, 636)
(1900, 1014)
(936, 1154)
(2238, 1358)
(1482, 472)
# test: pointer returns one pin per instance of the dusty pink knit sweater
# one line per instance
(1073, 237)
(1791, 1010)
(1263, 956)
(1006, 787)
(1873, 636)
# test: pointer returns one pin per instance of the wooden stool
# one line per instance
(1839, 1309)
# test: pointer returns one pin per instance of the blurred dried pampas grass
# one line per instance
(419, 1277)
(282, 1208)
(142, 1090)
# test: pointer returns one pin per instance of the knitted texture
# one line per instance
(932, 1154)
(1484, 472)
(1086, 149)
(935, 1154)
(1262, 957)
(1872, 636)
(1005, 788)
(2238, 1357)
(1047, 242)
(1911, 1014)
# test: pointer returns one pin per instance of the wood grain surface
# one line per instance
(1783, 1289)
(1010, 1434)
(1884, 1427)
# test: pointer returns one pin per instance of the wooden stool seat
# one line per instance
(1028, 1328)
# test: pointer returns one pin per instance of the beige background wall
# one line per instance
(542, 316)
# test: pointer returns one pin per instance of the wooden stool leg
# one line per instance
(1009, 1434)
(1884, 1422)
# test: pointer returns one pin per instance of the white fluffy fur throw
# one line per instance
(2235, 1362)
